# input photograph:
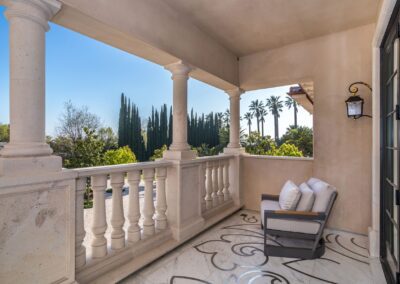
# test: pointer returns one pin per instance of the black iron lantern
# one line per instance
(355, 104)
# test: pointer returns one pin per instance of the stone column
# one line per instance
(28, 21)
(234, 131)
(179, 149)
(234, 146)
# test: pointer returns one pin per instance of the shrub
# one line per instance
(122, 155)
(289, 150)
(158, 153)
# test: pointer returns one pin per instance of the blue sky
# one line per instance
(91, 73)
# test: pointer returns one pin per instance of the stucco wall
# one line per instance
(264, 174)
(342, 147)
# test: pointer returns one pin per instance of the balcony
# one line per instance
(232, 252)
(189, 219)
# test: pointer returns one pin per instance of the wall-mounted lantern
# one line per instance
(355, 104)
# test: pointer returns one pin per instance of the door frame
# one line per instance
(392, 27)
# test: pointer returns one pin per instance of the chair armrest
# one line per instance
(296, 215)
(269, 197)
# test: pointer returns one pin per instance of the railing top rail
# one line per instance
(215, 158)
(101, 170)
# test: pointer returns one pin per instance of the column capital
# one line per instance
(179, 69)
(39, 11)
(235, 92)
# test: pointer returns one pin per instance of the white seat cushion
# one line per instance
(306, 227)
(268, 205)
(307, 198)
(323, 194)
(289, 196)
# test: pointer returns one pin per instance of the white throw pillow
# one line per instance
(307, 198)
(323, 195)
(312, 181)
(289, 196)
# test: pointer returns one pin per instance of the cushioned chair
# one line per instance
(300, 225)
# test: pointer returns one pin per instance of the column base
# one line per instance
(239, 150)
(26, 150)
(27, 166)
(180, 155)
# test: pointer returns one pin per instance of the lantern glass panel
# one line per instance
(354, 108)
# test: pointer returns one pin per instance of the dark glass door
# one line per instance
(390, 153)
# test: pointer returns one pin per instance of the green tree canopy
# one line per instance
(106, 134)
(87, 151)
(301, 137)
(4, 132)
(257, 145)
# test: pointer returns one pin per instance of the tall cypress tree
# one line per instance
(140, 140)
(121, 133)
(170, 127)
(128, 124)
(164, 125)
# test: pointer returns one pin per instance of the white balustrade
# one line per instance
(215, 198)
(216, 180)
(227, 195)
(117, 215)
(80, 250)
(209, 185)
(148, 208)
(151, 208)
(161, 199)
(221, 181)
(134, 206)
(203, 186)
(99, 242)
(99, 236)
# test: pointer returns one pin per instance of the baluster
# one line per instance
(161, 199)
(221, 181)
(227, 195)
(148, 208)
(134, 206)
(202, 181)
(80, 250)
(99, 243)
(117, 215)
(215, 183)
(209, 185)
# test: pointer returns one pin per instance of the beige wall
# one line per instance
(342, 147)
(264, 174)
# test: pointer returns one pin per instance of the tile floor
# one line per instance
(232, 252)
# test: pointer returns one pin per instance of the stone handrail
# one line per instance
(89, 171)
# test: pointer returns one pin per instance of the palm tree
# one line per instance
(248, 116)
(255, 107)
(290, 102)
(263, 114)
(275, 106)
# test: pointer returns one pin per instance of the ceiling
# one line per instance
(248, 26)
